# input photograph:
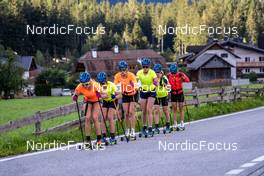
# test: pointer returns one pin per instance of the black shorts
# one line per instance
(129, 98)
(147, 94)
(109, 104)
(177, 98)
(164, 101)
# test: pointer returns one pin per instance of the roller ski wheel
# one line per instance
(122, 138)
(164, 131)
(140, 135)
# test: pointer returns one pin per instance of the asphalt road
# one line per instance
(238, 138)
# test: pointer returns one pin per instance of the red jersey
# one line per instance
(176, 81)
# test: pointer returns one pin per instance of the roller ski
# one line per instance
(112, 141)
(104, 141)
(180, 127)
(167, 129)
(156, 131)
(144, 133)
(127, 134)
(150, 133)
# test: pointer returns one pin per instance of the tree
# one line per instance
(10, 74)
(40, 58)
(51, 78)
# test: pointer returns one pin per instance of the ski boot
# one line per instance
(99, 144)
(112, 141)
(156, 131)
(127, 133)
(132, 135)
(104, 141)
(167, 129)
(144, 132)
(88, 145)
(150, 133)
(181, 127)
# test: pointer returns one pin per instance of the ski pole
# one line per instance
(122, 126)
(103, 116)
(80, 121)
(139, 128)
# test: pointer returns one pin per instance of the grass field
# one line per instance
(19, 108)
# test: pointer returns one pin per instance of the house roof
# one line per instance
(195, 48)
(126, 54)
(241, 45)
(202, 59)
(208, 47)
(24, 62)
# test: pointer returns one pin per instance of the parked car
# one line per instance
(66, 92)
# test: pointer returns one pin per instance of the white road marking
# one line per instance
(248, 165)
(259, 159)
(234, 171)
(74, 145)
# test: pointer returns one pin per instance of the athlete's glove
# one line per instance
(181, 75)
(74, 97)
(113, 96)
(98, 95)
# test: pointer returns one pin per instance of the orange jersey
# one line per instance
(88, 92)
(126, 83)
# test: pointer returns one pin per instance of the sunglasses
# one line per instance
(145, 66)
(123, 69)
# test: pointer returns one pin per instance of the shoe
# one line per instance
(88, 145)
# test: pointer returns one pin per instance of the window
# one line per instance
(261, 59)
(247, 59)
(247, 70)
(224, 55)
(261, 70)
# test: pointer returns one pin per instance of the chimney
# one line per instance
(94, 53)
(116, 49)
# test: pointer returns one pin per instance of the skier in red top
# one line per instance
(177, 97)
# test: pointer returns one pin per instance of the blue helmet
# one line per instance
(122, 65)
(173, 68)
(157, 68)
(145, 61)
(101, 77)
(85, 77)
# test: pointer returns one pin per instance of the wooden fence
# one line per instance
(195, 97)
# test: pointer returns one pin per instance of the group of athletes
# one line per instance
(150, 84)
